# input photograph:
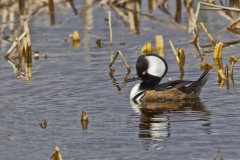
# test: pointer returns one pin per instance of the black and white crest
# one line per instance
(151, 68)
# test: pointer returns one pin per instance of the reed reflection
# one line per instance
(156, 117)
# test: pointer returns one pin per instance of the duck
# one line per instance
(150, 70)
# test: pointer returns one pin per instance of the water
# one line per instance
(75, 79)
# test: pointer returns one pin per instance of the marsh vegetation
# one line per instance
(67, 68)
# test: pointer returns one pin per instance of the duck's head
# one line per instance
(151, 68)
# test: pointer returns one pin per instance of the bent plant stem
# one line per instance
(110, 27)
(207, 32)
(175, 53)
(227, 75)
(14, 45)
(233, 83)
(122, 58)
(182, 73)
(218, 6)
(212, 6)
(19, 73)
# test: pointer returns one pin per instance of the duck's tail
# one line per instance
(196, 87)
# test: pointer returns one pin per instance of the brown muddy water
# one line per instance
(73, 79)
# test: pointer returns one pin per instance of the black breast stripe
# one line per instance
(138, 95)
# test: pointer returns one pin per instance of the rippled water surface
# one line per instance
(73, 79)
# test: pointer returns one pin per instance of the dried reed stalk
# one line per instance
(19, 73)
(218, 51)
(208, 34)
(159, 44)
(175, 53)
(21, 5)
(218, 6)
(119, 53)
(233, 60)
(213, 6)
(227, 75)
(51, 11)
(110, 27)
(178, 13)
(56, 155)
(23, 46)
(14, 45)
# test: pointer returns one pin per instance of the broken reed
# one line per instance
(223, 75)
(148, 48)
(22, 45)
(84, 120)
(159, 44)
(119, 53)
(175, 53)
(56, 155)
(210, 5)
(51, 11)
(207, 32)
(180, 58)
(110, 27)
(21, 5)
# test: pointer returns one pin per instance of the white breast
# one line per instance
(135, 90)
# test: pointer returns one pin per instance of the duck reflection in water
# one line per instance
(156, 117)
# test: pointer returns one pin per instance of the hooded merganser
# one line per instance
(151, 69)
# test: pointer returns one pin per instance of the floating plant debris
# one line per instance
(205, 66)
(181, 56)
(43, 123)
(84, 120)
(45, 56)
(36, 55)
(84, 116)
(56, 155)
(218, 50)
(75, 39)
(232, 60)
(222, 74)
(19, 55)
(147, 48)
(75, 36)
(159, 45)
(99, 42)
(65, 39)
(122, 43)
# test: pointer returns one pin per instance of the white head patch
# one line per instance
(156, 66)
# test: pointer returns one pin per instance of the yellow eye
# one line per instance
(143, 73)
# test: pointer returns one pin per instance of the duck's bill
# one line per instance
(132, 79)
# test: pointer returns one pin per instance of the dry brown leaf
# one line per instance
(147, 48)
(159, 45)
(218, 50)
(222, 74)
(205, 66)
(181, 55)
(99, 42)
(56, 155)
(75, 36)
